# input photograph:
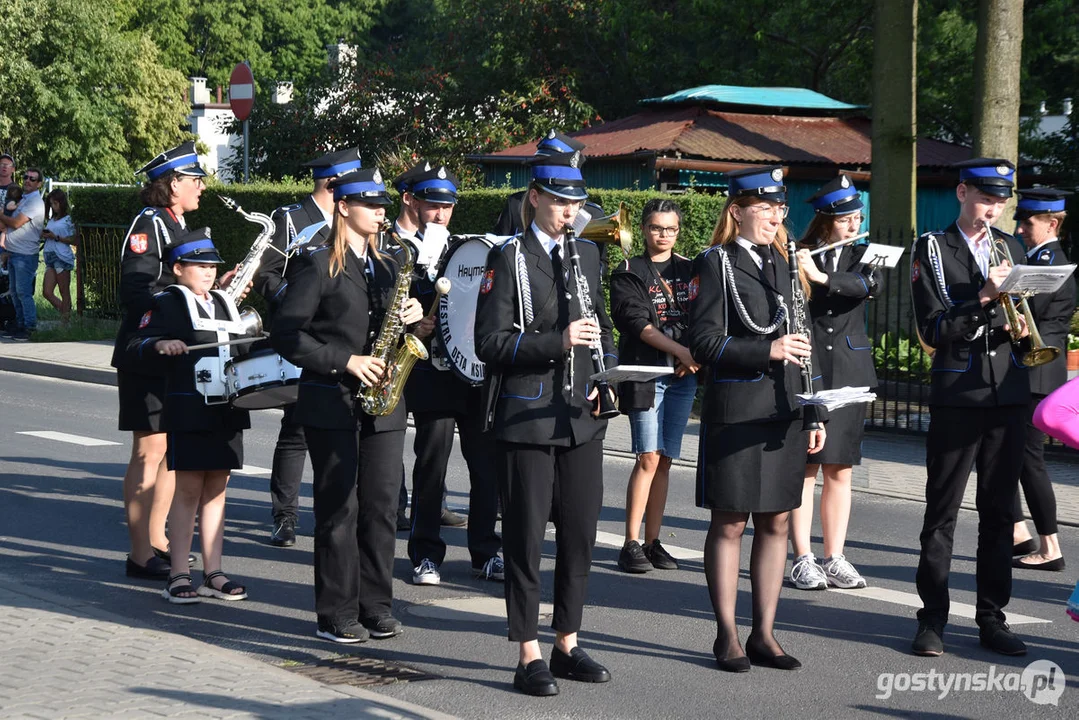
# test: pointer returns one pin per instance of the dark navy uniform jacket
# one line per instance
(532, 405)
(970, 369)
(321, 322)
(844, 355)
(270, 281)
(1052, 314)
(144, 272)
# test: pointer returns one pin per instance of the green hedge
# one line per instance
(476, 213)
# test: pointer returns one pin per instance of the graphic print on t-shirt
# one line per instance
(678, 286)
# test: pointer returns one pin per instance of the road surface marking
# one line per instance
(68, 438)
(963, 610)
(252, 470)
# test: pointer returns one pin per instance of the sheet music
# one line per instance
(1036, 279)
(435, 238)
(882, 255)
(583, 216)
(635, 373)
(838, 397)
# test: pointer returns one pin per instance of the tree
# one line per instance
(84, 99)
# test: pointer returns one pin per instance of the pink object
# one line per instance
(1058, 414)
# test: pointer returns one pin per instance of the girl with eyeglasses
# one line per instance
(752, 441)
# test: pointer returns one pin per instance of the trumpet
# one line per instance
(1039, 353)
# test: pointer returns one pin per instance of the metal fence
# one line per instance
(97, 270)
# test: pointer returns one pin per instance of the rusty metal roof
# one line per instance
(741, 137)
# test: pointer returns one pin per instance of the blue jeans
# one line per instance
(661, 427)
(23, 273)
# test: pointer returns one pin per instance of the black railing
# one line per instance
(97, 270)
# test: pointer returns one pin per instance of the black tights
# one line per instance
(768, 560)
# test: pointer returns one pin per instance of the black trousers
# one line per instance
(1034, 478)
(287, 473)
(540, 482)
(355, 493)
(991, 440)
(433, 445)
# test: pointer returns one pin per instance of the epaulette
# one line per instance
(515, 240)
(314, 248)
(150, 211)
(289, 208)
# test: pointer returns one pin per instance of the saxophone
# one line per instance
(250, 264)
(398, 349)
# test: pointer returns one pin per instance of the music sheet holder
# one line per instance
(635, 373)
(1027, 280)
(882, 255)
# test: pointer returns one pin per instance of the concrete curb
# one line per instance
(44, 368)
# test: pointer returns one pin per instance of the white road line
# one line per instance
(912, 600)
(252, 470)
(678, 553)
(68, 438)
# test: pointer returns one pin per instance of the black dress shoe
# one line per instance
(759, 655)
(284, 532)
(929, 640)
(154, 569)
(164, 555)
(535, 679)
(1055, 565)
(732, 665)
(996, 636)
(403, 524)
(578, 666)
(1025, 548)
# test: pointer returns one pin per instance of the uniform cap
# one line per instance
(195, 246)
(364, 184)
(182, 159)
(335, 163)
(435, 184)
(560, 174)
(556, 142)
(1035, 201)
(994, 176)
(838, 197)
(763, 182)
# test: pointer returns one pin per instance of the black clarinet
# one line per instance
(584, 297)
(801, 327)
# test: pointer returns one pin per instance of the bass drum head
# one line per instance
(464, 265)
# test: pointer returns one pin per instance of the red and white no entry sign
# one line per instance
(241, 91)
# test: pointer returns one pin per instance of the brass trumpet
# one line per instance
(1039, 353)
(612, 229)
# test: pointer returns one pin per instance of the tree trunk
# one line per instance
(892, 215)
(997, 70)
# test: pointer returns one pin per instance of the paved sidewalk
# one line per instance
(893, 465)
(66, 659)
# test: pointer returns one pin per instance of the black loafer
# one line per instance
(578, 666)
(535, 679)
(996, 636)
(731, 665)
(154, 569)
(164, 555)
(766, 658)
(1055, 565)
(929, 640)
(284, 532)
(1025, 548)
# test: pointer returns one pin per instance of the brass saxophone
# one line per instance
(398, 349)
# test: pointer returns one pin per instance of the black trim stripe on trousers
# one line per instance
(991, 440)
(538, 482)
(355, 494)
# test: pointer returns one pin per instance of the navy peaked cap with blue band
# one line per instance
(335, 163)
(994, 176)
(403, 182)
(182, 159)
(1036, 201)
(435, 184)
(556, 142)
(195, 247)
(838, 197)
(364, 184)
(560, 174)
(763, 182)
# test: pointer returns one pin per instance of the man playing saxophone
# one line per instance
(339, 296)
(978, 404)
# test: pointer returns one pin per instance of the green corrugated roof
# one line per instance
(774, 97)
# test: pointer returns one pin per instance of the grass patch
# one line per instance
(49, 328)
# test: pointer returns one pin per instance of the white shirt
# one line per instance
(65, 228)
(979, 249)
(1033, 251)
(546, 240)
(751, 246)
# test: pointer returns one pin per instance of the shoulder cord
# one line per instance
(159, 230)
(933, 252)
(781, 316)
(524, 289)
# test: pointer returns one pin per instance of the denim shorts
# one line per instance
(661, 427)
(57, 263)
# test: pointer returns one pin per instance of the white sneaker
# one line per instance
(807, 574)
(841, 574)
(426, 573)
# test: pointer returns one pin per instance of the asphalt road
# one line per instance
(61, 528)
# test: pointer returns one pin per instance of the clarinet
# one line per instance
(584, 297)
(801, 327)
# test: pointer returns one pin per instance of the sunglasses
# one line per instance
(31, 178)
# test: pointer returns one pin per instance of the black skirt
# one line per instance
(751, 467)
(843, 442)
(142, 401)
(220, 450)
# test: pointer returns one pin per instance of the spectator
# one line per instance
(59, 238)
(7, 175)
(23, 243)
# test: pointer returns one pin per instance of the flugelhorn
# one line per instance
(612, 229)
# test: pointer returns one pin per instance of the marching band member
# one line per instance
(841, 285)
(978, 405)
(1040, 213)
(650, 308)
(205, 441)
(326, 324)
(174, 184)
(439, 400)
(290, 220)
(753, 445)
(554, 142)
(531, 334)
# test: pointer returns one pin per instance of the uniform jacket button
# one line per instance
(992, 312)
(827, 347)
(333, 371)
(829, 330)
(830, 312)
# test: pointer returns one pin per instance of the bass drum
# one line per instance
(464, 264)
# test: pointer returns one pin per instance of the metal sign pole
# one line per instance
(246, 123)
